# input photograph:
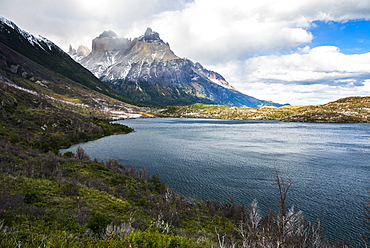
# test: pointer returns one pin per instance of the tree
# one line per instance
(98, 223)
(283, 192)
(81, 154)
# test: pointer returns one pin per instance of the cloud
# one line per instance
(206, 31)
(324, 64)
(317, 75)
(242, 40)
(78, 22)
(219, 31)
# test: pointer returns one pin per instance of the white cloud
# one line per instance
(317, 75)
(305, 94)
(219, 31)
(77, 22)
(324, 63)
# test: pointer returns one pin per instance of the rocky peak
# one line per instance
(72, 51)
(82, 51)
(109, 41)
(108, 34)
(150, 35)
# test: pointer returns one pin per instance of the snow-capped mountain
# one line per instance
(147, 71)
(36, 58)
(34, 40)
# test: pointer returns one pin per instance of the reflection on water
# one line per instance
(216, 159)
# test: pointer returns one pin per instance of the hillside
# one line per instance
(41, 62)
(346, 110)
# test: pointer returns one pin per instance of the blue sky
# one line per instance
(288, 51)
(352, 37)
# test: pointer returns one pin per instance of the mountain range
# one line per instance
(141, 71)
(147, 71)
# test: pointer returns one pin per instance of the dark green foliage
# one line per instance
(111, 128)
(98, 222)
(70, 189)
(156, 94)
(68, 154)
(157, 185)
(31, 197)
(49, 127)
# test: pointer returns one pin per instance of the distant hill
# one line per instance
(147, 71)
(350, 110)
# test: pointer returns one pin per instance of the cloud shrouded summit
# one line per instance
(108, 34)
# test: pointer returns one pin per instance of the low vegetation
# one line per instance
(50, 200)
(347, 110)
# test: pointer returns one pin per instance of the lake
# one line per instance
(329, 164)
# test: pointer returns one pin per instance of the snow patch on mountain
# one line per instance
(33, 39)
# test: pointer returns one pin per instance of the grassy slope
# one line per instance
(38, 123)
(352, 109)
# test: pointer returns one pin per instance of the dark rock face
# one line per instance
(150, 36)
(147, 71)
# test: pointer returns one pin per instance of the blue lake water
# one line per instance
(329, 164)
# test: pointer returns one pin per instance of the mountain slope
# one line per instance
(47, 106)
(146, 70)
(26, 54)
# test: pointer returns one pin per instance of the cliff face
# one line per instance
(147, 71)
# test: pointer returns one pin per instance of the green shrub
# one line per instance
(98, 222)
(31, 198)
(69, 154)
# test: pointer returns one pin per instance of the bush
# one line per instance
(98, 222)
(152, 238)
(69, 154)
(31, 198)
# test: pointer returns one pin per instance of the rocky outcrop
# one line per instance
(72, 51)
(150, 36)
(108, 41)
(83, 51)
